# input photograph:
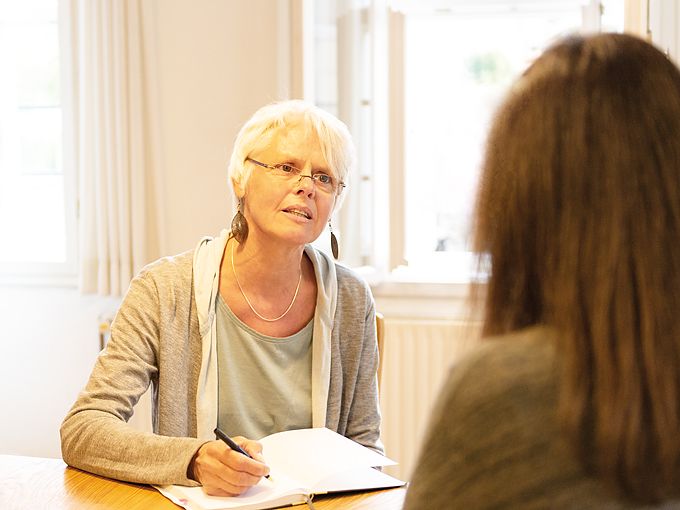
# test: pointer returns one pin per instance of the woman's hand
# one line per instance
(223, 472)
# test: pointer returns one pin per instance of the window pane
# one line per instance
(39, 130)
(450, 97)
(613, 15)
(37, 69)
(32, 214)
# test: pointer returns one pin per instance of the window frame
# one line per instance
(382, 263)
(62, 274)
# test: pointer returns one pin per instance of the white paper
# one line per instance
(312, 455)
(265, 494)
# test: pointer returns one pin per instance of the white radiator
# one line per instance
(417, 356)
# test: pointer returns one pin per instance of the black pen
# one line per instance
(230, 442)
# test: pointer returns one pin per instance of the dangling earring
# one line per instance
(334, 242)
(239, 225)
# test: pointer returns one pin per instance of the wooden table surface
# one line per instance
(37, 483)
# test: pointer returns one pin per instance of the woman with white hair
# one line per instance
(254, 331)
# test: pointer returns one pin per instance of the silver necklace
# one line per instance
(297, 289)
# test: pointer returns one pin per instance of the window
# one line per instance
(36, 219)
(417, 82)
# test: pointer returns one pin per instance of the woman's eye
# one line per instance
(324, 179)
(289, 169)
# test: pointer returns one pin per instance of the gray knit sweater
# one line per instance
(494, 439)
(155, 341)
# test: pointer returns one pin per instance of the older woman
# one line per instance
(574, 400)
(254, 331)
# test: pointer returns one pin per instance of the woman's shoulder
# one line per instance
(526, 346)
(169, 271)
(353, 291)
(169, 264)
(518, 365)
(348, 279)
(163, 282)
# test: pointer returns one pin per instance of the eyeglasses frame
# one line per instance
(340, 186)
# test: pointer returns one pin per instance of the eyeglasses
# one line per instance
(322, 180)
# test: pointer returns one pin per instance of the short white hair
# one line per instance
(336, 142)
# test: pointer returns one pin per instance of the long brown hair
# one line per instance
(579, 214)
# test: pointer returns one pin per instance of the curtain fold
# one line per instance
(117, 135)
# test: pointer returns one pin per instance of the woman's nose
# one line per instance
(306, 184)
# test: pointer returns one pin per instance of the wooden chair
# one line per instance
(380, 334)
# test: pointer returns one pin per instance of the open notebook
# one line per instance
(302, 463)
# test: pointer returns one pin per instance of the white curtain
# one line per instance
(115, 134)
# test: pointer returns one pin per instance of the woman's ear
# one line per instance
(239, 190)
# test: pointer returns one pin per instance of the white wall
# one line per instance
(48, 345)
(217, 62)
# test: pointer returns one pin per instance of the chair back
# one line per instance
(380, 335)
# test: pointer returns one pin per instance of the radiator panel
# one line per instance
(417, 357)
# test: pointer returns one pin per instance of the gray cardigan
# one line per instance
(155, 340)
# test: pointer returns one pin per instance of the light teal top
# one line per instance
(264, 383)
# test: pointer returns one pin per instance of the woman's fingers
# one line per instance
(223, 471)
(227, 481)
(254, 448)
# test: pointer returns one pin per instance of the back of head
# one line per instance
(579, 213)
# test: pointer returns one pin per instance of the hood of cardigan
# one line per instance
(206, 279)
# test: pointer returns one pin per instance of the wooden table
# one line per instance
(36, 483)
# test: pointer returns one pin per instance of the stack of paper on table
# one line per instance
(302, 463)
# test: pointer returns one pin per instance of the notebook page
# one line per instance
(311, 455)
(356, 479)
(278, 490)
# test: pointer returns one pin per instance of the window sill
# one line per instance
(398, 295)
(38, 275)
